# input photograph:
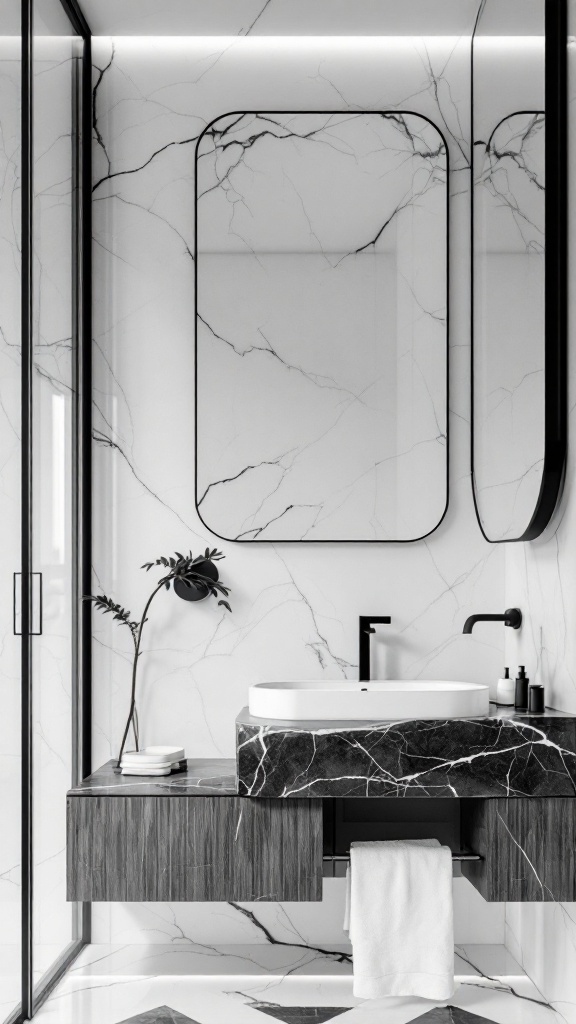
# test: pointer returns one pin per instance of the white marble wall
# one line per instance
(295, 608)
(540, 579)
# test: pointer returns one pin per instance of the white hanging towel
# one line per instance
(399, 916)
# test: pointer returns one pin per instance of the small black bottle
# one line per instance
(521, 690)
(536, 698)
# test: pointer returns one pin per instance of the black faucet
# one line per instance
(512, 617)
(366, 627)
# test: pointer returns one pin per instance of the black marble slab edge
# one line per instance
(507, 754)
(204, 777)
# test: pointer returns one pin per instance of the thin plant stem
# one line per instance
(134, 671)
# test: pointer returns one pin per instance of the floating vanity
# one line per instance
(189, 837)
(501, 787)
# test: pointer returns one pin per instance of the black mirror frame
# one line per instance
(340, 540)
(555, 273)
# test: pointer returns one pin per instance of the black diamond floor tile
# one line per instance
(160, 1015)
(450, 1015)
(301, 1014)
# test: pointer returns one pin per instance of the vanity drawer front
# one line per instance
(182, 848)
(527, 848)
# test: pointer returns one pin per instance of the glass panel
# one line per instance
(10, 508)
(55, 70)
(321, 326)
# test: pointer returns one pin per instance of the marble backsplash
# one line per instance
(294, 608)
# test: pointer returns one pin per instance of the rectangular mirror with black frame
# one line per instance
(321, 329)
(519, 128)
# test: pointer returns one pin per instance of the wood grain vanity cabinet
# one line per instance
(131, 839)
(190, 837)
(528, 848)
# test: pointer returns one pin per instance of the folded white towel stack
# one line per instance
(399, 916)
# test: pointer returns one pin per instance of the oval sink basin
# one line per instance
(390, 700)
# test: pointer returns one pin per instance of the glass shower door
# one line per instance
(44, 484)
(56, 64)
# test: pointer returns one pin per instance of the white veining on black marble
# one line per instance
(498, 756)
(207, 776)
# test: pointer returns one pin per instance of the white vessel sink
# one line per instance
(392, 700)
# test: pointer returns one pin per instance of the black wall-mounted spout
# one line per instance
(366, 627)
(511, 617)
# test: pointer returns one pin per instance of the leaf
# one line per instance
(226, 605)
(106, 605)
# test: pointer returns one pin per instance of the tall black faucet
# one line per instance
(511, 617)
(366, 627)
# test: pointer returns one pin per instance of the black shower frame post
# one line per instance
(34, 996)
(26, 563)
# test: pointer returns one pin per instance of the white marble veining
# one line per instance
(295, 607)
(292, 611)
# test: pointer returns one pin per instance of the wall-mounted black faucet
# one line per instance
(512, 617)
(366, 627)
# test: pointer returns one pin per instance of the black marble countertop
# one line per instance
(204, 777)
(507, 753)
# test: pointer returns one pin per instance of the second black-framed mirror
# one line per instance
(519, 279)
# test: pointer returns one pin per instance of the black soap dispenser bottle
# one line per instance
(521, 690)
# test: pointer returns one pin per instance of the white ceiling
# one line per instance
(283, 17)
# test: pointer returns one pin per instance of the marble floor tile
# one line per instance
(160, 1015)
(238, 985)
(450, 1015)
(301, 1014)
